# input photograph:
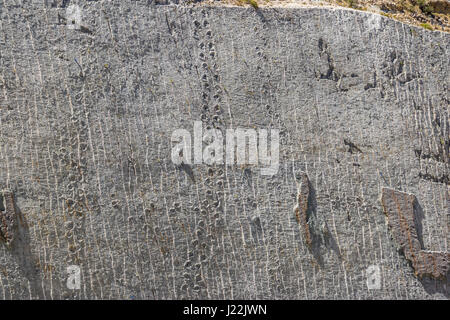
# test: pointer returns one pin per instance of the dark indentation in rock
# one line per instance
(256, 228)
(84, 29)
(434, 178)
(65, 3)
(321, 47)
(331, 73)
(188, 170)
(373, 84)
(393, 67)
(352, 148)
(401, 210)
(437, 156)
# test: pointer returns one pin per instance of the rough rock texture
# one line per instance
(303, 208)
(404, 220)
(88, 106)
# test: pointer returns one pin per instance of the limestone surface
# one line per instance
(92, 91)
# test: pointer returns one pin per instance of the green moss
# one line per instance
(426, 26)
(253, 3)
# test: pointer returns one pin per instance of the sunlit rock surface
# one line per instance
(90, 97)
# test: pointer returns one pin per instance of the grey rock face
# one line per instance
(87, 111)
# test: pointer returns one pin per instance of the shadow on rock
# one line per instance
(21, 250)
(321, 238)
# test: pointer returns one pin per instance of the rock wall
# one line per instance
(90, 94)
